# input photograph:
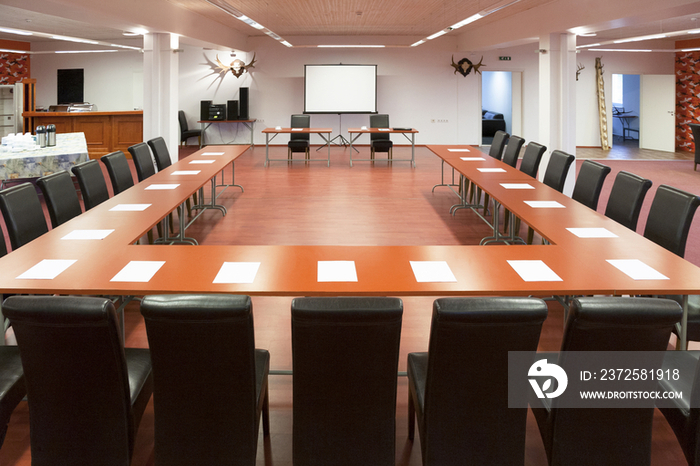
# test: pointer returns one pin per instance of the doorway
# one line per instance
(625, 109)
(501, 103)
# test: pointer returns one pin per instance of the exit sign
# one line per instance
(504, 58)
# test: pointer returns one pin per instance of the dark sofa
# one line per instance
(491, 122)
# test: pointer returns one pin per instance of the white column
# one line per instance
(160, 88)
(557, 96)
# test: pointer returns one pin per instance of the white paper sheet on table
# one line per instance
(592, 232)
(130, 207)
(204, 154)
(384, 129)
(517, 186)
(432, 271)
(472, 159)
(162, 187)
(48, 269)
(138, 271)
(534, 271)
(491, 170)
(637, 270)
(297, 129)
(237, 272)
(88, 234)
(462, 149)
(202, 161)
(336, 271)
(187, 172)
(544, 204)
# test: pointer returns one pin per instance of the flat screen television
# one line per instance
(340, 88)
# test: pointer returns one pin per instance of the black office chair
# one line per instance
(557, 169)
(459, 389)
(299, 142)
(589, 183)
(670, 217)
(682, 414)
(160, 152)
(210, 383)
(626, 199)
(60, 197)
(614, 436)
(512, 152)
(695, 128)
(92, 183)
(531, 158)
(380, 142)
(119, 171)
(23, 214)
(498, 144)
(345, 416)
(12, 388)
(185, 132)
(86, 392)
(143, 162)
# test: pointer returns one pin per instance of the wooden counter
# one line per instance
(105, 132)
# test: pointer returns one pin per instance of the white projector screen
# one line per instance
(340, 88)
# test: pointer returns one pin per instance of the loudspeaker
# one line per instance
(232, 110)
(204, 109)
(243, 97)
(217, 112)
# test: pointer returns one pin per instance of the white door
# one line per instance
(657, 112)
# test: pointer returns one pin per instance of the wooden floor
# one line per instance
(368, 204)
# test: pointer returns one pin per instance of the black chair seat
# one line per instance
(298, 145)
(693, 333)
(382, 145)
(12, 388)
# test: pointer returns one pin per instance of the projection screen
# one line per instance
(340, 88)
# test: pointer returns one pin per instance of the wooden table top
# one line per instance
(382, 130)
(581, 264)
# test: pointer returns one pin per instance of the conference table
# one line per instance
(357, 132)
(570, 265)
(275, 131)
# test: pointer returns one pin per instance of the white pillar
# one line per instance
(160, 88)
(557, 96)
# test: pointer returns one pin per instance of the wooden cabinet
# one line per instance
(105, 132)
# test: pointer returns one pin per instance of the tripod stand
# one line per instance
(341, 139)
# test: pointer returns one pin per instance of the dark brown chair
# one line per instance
(380, 142)
(86, 391)
(345, 416)
(512, 152)
(589, 183)
(60, 197)
(92, 183)
(12, 388)
(614, 436)
(557, 169)
(498, 144)
(299, 142)
(185, 132)
(626, 199)
(23, 214)
(143, 162)
(458, 390)
(119, 171)
(210, 383)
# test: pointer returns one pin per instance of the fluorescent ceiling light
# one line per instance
(286, 43)
(691, 50)
(351, 46)
(471, 19)
(75, 39)
(418, 43)
(125, 47)
(222, 5)
(438, 34)
(637, 39)
(621, 50)
(588, 45)
(13, 51)
(16, 31)
(85, 51)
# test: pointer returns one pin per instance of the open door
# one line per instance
(657, 112)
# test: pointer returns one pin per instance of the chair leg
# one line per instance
(486, 203)
(506, 220)
(266, 412)
(308, 157)
(391, 153)
(411, 417)
(150, 236)
(371, 153)
(530, 235)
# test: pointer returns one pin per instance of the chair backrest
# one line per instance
(160, 153)
(500, 139)
(589, 183)
(141, 155)
(300, 121)
(203, 351)
(379, 120)
(557, 169)
(60, 196)
(531, 158)
(466, 391)
(345, 417)
(182, 119)
(510, 156)
(76, 378)
(23, 214)
(12, 387)
(92, 183)
(610, 435)
(119, 171)
(626, 199)
(670, 216)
